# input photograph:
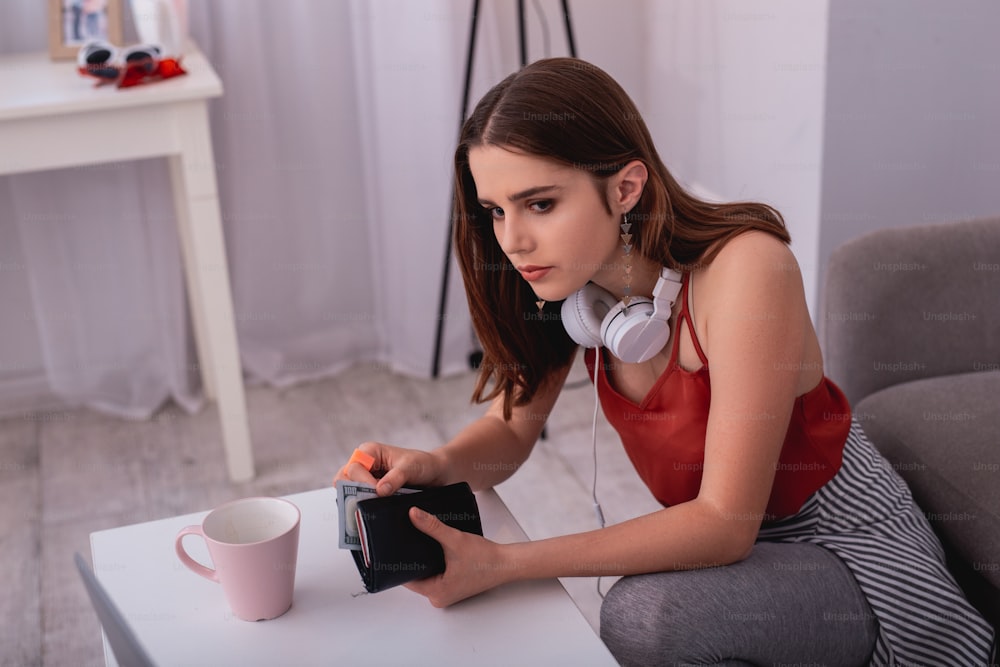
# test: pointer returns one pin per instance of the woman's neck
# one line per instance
(639, 280)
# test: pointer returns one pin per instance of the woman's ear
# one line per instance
(628, 184)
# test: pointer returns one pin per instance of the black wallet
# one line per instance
(393, 551)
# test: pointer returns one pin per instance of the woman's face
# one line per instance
(549, 219)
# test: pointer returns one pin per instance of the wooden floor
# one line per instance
(65, 474)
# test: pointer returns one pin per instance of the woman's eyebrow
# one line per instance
(523, 194)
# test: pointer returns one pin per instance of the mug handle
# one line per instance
(191, 563)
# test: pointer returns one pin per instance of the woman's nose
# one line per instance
(514, 236)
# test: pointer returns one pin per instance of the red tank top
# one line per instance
(664, 436)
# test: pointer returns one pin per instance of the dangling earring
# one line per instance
(627, 241)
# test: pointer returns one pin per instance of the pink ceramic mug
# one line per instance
(253, 543)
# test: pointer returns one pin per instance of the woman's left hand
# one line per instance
(473, 564)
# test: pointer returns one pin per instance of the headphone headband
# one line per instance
(668, 286)
(593, 317)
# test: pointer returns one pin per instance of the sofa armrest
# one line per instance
(908, 303)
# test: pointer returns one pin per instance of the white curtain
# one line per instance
(332, 142)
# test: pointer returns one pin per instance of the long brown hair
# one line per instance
(571, 112)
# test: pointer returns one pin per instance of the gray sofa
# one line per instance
(911, 333)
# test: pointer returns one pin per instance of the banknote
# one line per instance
(348, 496)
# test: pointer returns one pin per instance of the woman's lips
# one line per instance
(533, 273)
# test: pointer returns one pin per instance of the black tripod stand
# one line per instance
(470, 53)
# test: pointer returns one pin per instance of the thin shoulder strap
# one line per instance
(687, 313)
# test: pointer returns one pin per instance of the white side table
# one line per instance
(182, 619)
(52, 117)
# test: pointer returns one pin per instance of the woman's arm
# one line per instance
(755, 324)
(490, 450)
(485, 453)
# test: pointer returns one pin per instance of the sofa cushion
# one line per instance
(907, 303)
(943, 437)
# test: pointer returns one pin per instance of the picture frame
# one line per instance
(74, 22)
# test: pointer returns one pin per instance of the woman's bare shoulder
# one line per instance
(752, 267)
(753, 250)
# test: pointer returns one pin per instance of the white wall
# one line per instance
(846, 116)
(606, 34)
(735, 94)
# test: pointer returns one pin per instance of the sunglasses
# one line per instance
(125, 67)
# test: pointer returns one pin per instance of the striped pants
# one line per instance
(858, 550)
(867, 517)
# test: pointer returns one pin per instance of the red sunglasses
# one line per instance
(126, 67)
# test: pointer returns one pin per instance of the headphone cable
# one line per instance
(593, 432)
(597, 505)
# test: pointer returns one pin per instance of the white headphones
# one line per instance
(634, 333)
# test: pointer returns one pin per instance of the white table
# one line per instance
(52, 117)
(182, 619)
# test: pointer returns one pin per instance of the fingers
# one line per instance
(389, 468)
(391, 482)
(468, 562)
(354, 472)
(433, 588)
(358, 467)
(366, 460)
(384, 459)
(358, 473)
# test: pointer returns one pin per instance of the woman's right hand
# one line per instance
(394, 468)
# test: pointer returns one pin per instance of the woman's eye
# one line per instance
(496, 213)
(541, 206)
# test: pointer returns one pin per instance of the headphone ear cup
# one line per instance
(583, 314)
(631, 334)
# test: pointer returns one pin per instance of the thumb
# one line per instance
(390, 482)
(427, 523)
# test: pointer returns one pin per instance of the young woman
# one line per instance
(784, 536)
